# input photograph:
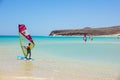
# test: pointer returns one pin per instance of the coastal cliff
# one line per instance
(90, 31)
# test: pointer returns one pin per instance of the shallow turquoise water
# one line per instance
(103, 49)
(62, 57)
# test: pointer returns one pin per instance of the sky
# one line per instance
(43, 16)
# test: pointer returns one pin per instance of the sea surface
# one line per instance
(61, 58)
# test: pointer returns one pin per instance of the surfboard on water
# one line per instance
(23, 58)
(25, 38)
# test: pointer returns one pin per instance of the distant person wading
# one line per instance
(85, 37)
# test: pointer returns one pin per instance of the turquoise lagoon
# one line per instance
(62, 58)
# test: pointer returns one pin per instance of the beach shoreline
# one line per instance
(64, 58)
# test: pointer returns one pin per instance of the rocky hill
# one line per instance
(94, 31)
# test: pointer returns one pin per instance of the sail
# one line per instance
(25, 38)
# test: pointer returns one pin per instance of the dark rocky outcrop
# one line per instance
(94, 31)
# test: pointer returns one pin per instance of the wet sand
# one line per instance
(50, 69)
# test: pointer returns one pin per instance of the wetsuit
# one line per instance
(28, 51)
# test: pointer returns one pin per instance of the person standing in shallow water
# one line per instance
(28, 56)
(91, 37)
(85, 37)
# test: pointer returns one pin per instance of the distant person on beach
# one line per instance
(91, 37)
(85, 37)
(28, 56)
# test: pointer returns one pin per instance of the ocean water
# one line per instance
(62, 58)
